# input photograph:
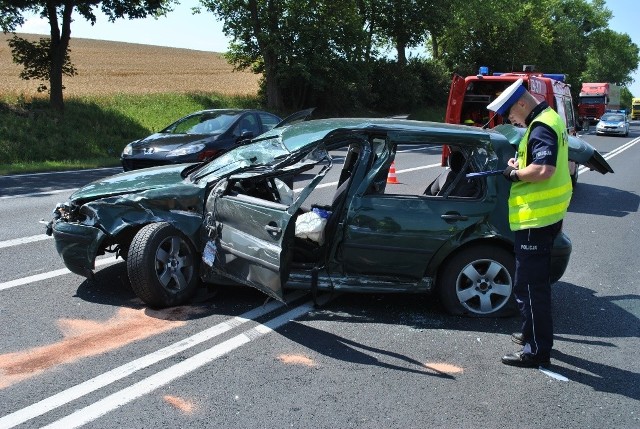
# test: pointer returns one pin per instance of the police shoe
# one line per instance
(525, 360)
(517, 338)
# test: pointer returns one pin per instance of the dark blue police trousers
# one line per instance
(533, 287)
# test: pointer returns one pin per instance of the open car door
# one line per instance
(296, 117)
(251, 224)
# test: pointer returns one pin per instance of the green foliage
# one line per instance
(35, 57)
(626, 99)
(607, 48)
(396, 89)
(93, 127)
(557, 36)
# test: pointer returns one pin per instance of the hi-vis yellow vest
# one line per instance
(534, 205)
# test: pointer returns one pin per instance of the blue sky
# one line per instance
(181, 29)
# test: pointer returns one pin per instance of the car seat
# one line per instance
(460, 187)
(307, 251)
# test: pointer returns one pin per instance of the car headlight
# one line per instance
(128, 149)
(186, 150)
(600, 125)
(621, 125)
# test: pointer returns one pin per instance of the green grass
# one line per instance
(93, 130)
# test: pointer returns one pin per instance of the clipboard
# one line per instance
(484, 174)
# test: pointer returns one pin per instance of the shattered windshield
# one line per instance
(259, 153)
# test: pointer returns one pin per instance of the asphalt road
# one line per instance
(75, 352)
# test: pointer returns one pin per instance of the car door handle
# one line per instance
(274, 229)
(453, 217)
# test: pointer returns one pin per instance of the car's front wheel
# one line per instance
(478, 281)
(163, 266)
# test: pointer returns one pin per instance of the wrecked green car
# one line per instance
(312, 206)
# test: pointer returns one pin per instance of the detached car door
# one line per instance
(251, 235)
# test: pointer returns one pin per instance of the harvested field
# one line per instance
(106, 67)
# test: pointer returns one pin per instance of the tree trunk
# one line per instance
(402, 56)
(58, 51)
(274, 93)
(435, 48)
(55, 78)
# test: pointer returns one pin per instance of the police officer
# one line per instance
(540, 195)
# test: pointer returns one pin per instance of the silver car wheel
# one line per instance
(478, 281)
(174, 263)
(484, 286)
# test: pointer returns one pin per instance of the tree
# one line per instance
(553, 35)
(302, 47)
(612, 57)
(403, 23)
(51, 59)
(35, 58)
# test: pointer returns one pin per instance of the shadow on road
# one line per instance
(603, 200)
(588, 325)
(110, 286)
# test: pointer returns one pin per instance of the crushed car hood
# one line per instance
(134, 181)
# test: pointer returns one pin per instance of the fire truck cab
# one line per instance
(469, 97)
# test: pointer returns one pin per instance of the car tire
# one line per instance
(478, 282)
(163, 266)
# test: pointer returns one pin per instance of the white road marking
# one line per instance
(614, 152)
(89, 386)
(45, 173)
(552, 374)
(24, 240)
(406, 170)
(164, 377)
(36, 194)
(50, 274)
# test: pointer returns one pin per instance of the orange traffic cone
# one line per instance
(392, 178)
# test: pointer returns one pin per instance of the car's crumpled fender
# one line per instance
(114, 214)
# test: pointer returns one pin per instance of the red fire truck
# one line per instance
(469, 97)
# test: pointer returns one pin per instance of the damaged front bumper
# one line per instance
(78, 245)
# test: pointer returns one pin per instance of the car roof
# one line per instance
(403, 131)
